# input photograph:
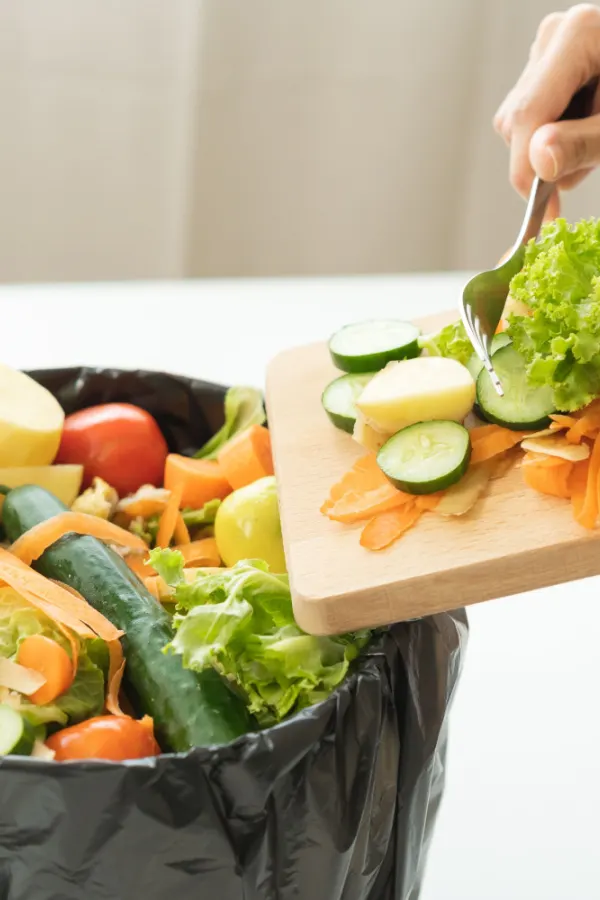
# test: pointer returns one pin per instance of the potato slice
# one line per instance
(417, 390)
(31, 421)
(556, 445)
(368, 437)
(64, 481)
(462, 497)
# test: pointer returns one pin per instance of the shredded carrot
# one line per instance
(168, 520)
(552, 479)
(46, 656)
(200, 553)
(364, 475)
(362, 493)
(73, 643)
(53, 599)
(115, 676)
(247, 457)
(592, 408)
(577, 486)
(542, 460)
(353, 507)
(181, 533)
(489, 443)
(387, 527)
(151, 584)
(561, 422)
(65, 631)
(199, 480)
(32, 543)
(427, 502)
(479, 432)
(589, 512)
(587, 426)
(137, 564)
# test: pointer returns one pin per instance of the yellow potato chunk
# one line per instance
(62, 481)
(417, 390)
(367, 436)
(31, 421)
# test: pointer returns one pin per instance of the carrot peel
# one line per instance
(168, 520)
(387, 527)
(34, 542)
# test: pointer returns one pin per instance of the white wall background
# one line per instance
(225, 137)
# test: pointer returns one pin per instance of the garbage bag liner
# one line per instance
(336, 803)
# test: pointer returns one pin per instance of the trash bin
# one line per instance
(335, 803)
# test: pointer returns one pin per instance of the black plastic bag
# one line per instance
(337, 803)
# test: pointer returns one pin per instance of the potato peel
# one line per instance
(462, 497)
(556, 445)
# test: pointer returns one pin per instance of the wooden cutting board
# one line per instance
(514, 540)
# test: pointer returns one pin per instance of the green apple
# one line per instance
(247, 525)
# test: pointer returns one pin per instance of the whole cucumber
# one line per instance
(189, 709)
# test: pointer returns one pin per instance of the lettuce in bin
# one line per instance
(85, 698)
(240, 622)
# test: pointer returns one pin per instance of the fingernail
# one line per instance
(555, 157)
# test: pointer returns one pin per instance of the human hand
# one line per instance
(563, 58)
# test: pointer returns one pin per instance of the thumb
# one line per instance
(563, 148)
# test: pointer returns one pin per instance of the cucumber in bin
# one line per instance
(17, 736)
(189, 709)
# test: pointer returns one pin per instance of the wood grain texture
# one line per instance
(513, 541)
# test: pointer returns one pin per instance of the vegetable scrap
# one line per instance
(125, 576)
(417, 422)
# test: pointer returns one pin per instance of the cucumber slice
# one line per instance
(523, 406)
(369, 346)
(475, 365)
(17, 736)
(340, 396)
(426, 457)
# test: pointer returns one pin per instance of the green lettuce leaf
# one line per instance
(85, 697)
(243, 408)
(168, 564)
(240, 622)
(559, 284)
(450, 341)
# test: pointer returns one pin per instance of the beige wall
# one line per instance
(144, 138)
(95, 100)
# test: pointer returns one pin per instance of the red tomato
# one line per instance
(118, 442)
(105, 737)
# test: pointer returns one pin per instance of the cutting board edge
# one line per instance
(531, 571)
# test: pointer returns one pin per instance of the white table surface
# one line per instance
(519, 819)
